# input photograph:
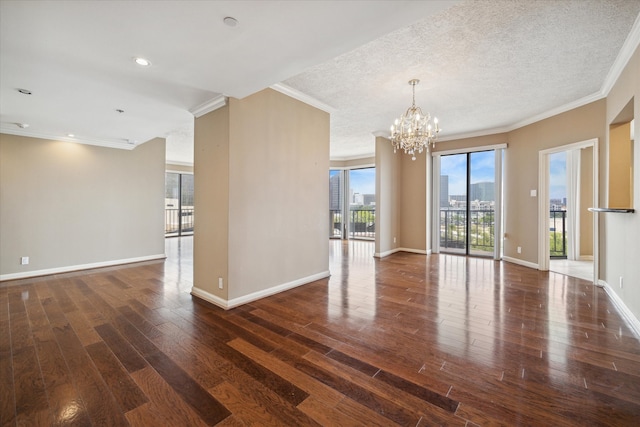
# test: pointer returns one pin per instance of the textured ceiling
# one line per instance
(484, 65)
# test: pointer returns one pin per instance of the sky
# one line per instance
(558, 172)
(363, 181)
(482, 170)
(455, 166)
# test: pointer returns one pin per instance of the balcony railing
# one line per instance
(362, 223)
(335, 223)
(177, 219)
(558, 234)
(453, 229)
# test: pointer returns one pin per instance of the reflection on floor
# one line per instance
(579, 269)
(404, 340)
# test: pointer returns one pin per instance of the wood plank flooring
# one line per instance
(408, 340)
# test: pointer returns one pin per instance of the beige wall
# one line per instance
(464, 143)
(620, 233)
(521, 170)
(68, 205)
(620, 166)
(520, 176)
(413, 202)
(272, 183)
(211, 198)
(387, 197)
(586, 201)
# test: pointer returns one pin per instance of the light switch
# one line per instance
(534, 193)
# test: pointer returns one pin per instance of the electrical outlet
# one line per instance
(519, 249)
(620, 282)
(24, 260)
(220, 283)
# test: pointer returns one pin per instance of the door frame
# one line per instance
(543, 202)
(435, 199)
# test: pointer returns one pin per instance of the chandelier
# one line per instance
(413, 131)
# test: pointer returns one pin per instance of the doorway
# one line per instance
(567, 231)
(468, 194)
(178, 204)
(352, 203)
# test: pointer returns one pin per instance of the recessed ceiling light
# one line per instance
(142, 61)
(22, 125)
(25, 91)
(230, 21)
(70, 135)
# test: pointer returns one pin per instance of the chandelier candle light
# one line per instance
(413, 132)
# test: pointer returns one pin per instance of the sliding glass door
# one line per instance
(468, 197)
(178, 204)
(352, 203)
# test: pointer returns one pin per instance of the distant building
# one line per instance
(358, 199)
(369, 199)
(483, 191)
(444, 191)
(334, 192)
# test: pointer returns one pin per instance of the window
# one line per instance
(178, 204)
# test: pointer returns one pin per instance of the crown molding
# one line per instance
(178, 163)
(545, 115)
(354, 157)
(209, 106)
(628, 48)
(86, 141)
(302, 97)
(558, 110)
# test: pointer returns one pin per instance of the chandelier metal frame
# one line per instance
(414, 131)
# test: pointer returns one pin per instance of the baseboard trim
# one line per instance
(413, 251)
(393, 251)
(79, 267)
(236, 302)
(521, 262)
(585, 258)
(386, 253)
(633, 321)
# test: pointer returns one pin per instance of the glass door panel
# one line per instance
(453, 203)
(336, 197)
(482, 200)
(171, 204)
(186, 205)
(467, 203)
(362, 203)
(178, 204)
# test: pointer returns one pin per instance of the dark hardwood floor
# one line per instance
(409, 340)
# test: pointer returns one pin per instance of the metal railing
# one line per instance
(176, 220)
(558, 234)
(362, 223)
(335, 223)
(453, 229)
